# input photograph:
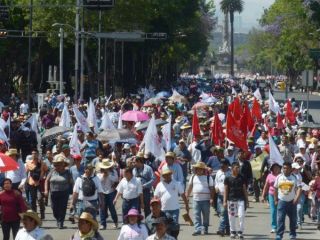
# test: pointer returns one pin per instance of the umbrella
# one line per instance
(7, 163)
(152, 101)
(199, 105)
(210, 100)
(115, 134)
(135, 116)
(178, 99)
(163, 94)
(55, 131)
(145, 125)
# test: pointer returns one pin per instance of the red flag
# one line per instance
(217, 134)
(236, 109)
(256, 110)
(246, 122)
(289, 113)
(235, 134)
(195, 124)
(280, 124)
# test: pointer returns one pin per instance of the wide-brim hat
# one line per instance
(170, 154)
(133, 213)
(165, 170)
(200, 165)
(140, 155)
(106, 164)
(60, 159)
(33, 215)
(185, 126)
(178, 119)
(88, 217)
(12, 151)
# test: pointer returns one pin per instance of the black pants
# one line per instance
(59, 203)
(7, 226)
(33, 196)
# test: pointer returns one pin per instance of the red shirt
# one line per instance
(12, 204)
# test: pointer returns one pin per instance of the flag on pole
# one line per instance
(152, 142)
(81, 120)
(92, 117)
(65, 120)
(236, 109)
(74, 142)
(33, 123)
(280, 124)
(120, 120)
(235, 134)
(275, 156)
(217, 134)
(234, 92)
(256, 110)
(106, 122)
(195, 124)
(3, 136)
(257, 94)
(289, 113)
(166, 132)
(273, 105)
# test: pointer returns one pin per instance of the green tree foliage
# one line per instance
(188, 25)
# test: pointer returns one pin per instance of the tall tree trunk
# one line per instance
(232, 44)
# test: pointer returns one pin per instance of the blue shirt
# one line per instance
(145, 175)
(75, 172)
(177, 172)
(90, 150)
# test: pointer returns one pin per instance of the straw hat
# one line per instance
(140, 155)
(201, 165)
(89, 218)
(12, 151)
(166, 170)
(178, 119)
(185, 126)
(133, 213)
(170, 154)
(31, 214)
(60, 159)
(105, 164)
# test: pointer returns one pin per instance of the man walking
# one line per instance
(287, 194)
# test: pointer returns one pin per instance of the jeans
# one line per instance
(201, 208)
(33, 194)
(174, 214)
(300, 209)
(317, 203)
(88, 206)
(128, 204)
(236, 208)
(224, 219)
(59, 203)
(286, 208)
(273, 212)
(108, 203)
(146, 201)
(7, 226)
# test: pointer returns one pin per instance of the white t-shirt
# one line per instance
(24, 108)
(201, 187)
(286, 187)
(36, 234)
(107, 182)
(195, 153)
(133, 232)
(78, 189)
(131, 189)
(169, 194)
(219, 180)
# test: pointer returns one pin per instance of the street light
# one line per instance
(61, 35)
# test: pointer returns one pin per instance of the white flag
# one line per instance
(3, 136)
(273, 105)
(234, 92)
(244, 89)
(81, 120)
(166, 131)
(275, 156)
(65, 120)
(106, 122)
(204, 95)
(3, 123)
(301, 107)
(9, 124)
(74, 142)
(33, 123)
(152, 141)
(257, 94)
(120, 120)
(92, 117)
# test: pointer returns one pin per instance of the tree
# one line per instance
(230, 7)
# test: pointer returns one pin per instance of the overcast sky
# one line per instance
(253, 10)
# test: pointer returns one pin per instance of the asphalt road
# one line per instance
(257, 226)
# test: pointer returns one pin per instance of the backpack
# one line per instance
(88, 186)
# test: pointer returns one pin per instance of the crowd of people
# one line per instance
(209, 143)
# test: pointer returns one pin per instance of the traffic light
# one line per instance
(3, 34)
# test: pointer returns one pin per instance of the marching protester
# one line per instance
(11, 204)
(201, 186)
(18, 177)
(161, 226)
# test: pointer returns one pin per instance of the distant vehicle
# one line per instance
(280, 84)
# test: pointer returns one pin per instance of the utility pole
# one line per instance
(76, 50)
(29, 51)
(61, 61)
(99, 53)
(82, 65)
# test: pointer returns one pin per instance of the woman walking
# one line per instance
(269, 189)
(59, 182)
(11, 203)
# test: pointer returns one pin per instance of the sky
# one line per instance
(248, 19)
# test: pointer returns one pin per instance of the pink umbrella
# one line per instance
(135, 116)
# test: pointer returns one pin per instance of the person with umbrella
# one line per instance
(11, 203)
(19, 175)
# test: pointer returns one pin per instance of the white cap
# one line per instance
(301, 144)
(311, 146)
(295, 165)
(126, 146)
